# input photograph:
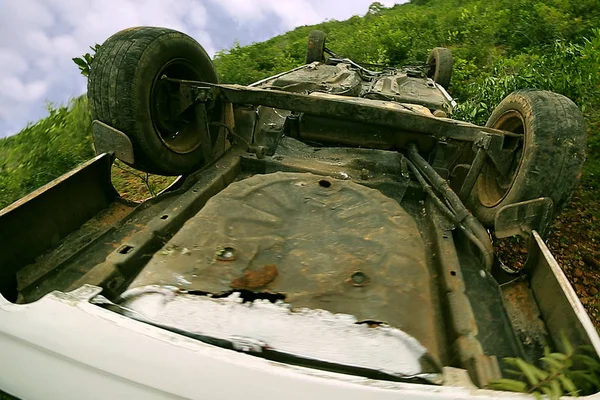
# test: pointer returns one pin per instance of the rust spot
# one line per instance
(524, 314)
(255, 279)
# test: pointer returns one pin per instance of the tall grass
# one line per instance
(45, 150)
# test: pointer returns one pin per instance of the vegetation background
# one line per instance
(499, 46)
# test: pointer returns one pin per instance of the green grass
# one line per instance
(135, 185)
(45, 150)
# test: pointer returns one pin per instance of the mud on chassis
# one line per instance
(330, 198)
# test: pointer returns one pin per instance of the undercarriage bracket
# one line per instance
(524, 217)
(111, 140)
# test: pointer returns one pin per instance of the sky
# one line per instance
(38, 38)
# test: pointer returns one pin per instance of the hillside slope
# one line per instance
(499, 46)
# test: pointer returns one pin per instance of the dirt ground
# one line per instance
(575, 243)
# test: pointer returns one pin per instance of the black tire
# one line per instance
(440, 63)
(548, 157)
(315, 51)
(124, 89)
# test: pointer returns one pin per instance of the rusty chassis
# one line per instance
(406, 125)
(408, 129)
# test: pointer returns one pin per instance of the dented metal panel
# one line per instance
(322, 243)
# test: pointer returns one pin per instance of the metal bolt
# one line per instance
(364, 174)
(359, 278)
(226, 254)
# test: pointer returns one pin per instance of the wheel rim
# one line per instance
(178, 133)
(492, 187)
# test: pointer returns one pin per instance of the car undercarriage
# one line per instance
(330, 217)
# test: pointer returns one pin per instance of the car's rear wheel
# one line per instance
(315, 50)
(440, 63)
(125, 90)
(547, 157)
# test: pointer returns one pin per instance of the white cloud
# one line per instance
(38, 38)
(16, 93)
(12, 63)
(295, 13)
(242, 10)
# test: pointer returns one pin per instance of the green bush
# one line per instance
(563, 67)
(45, 150)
